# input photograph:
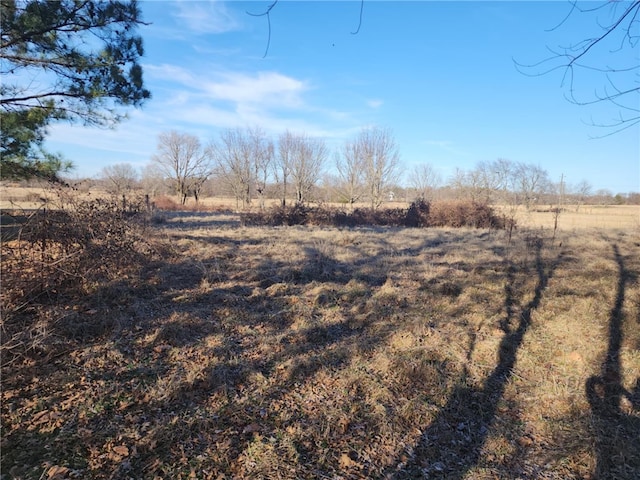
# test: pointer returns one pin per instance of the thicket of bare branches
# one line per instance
(119, 178)
(420, 214)
(57, 255)
(375, 154)
(243, 161)
(182, 159)
(307, 163)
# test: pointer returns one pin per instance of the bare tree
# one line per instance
(182, 159)
(282, 164)
(232, 156)
(495, 180)
(424, 179)
(153, 180)
(350, 166)
(530, 182)
(582, 191)
(243, 158)
(467, 184)
(380, 160)
(307, 163)
(119, 178)
(263, 154)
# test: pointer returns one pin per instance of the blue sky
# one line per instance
(440, 75)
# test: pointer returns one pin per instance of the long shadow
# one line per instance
(452, 443)
(230, 312)
(215, 403)
(303, 352)
(617, 434)
(204, 220)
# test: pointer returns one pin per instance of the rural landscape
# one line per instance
(189, 344)
(332, 245)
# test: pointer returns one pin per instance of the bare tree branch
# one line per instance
(619, 89)
(360, 19)
(266, 13)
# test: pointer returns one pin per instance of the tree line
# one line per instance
(251, 167)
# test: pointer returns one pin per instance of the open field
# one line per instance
(236, 352)
(585, 216)
(572, 217)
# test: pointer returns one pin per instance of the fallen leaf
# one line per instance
(345, 461)
(251, 428)
(343, 425)
(525, 441)
(161, 348)
(57, 472)
(121, 450)
(40, 417)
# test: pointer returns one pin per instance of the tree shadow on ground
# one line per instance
(214, 357)
(451, 445)
(617, 433)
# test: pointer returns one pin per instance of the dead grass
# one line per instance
(575, 218)
(302, 352)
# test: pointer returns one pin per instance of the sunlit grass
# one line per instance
(355, 353)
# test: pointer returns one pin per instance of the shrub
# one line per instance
(59, 256)
(418, 214)
(464, 214)
(166, 204)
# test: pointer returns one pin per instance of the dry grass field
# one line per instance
(572, 218)
(226, 352)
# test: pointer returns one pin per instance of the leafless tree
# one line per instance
(263, 154)
(181, 158)
(242, 158)
(119, 178)
(496, 180)
(467, 184)
(615, 35)
(153, 180)
(282, 164)
(582, 191)
(380, 160)
(232, 156)
(350, 166)
(424, 179)
(530, 182)
(307, 163)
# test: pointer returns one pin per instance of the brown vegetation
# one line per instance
(200, 348)
(419, 214)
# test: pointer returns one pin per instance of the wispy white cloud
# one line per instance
(227, 99)
(169, 73)
(262, 88)
(135, 137)
(268, 88)
(374, 103)
(446, 145)
(203, 101)
(206, 16)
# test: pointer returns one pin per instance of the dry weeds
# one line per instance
(356, 353)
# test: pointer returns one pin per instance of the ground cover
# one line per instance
(303, 352)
